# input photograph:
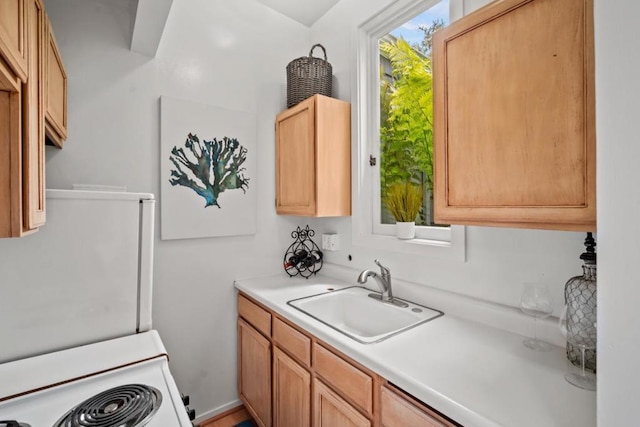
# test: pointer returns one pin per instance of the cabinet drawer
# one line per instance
(296, 343)
(257, 316)
(398, 411)
(349, 380)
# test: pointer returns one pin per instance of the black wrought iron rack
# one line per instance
(303, 257)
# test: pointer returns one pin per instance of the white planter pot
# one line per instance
(406, 230)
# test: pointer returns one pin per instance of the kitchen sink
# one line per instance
(366, 319)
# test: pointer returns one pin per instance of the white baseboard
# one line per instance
(213, 412)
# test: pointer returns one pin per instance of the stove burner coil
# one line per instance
(131, 405)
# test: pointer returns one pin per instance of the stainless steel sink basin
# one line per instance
(367, 320)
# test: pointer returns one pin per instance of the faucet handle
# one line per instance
(384, 270)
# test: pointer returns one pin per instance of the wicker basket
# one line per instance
(307, 76)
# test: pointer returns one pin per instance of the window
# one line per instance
(394, 114)
(406, 110)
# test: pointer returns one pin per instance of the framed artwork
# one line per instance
(207, 170)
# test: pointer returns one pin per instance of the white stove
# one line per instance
(78, 348)
(40, 391)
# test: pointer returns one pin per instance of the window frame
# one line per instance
(445, 243)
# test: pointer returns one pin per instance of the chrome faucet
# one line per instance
(384, 283)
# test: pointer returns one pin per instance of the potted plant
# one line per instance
(404, 199)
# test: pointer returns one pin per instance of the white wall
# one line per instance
(229, 54)
(617, 112)
(498, 260)
(208, 54)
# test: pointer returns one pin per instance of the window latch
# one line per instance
(372, 160)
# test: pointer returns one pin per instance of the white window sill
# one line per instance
(435, 234)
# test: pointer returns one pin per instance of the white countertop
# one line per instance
(476, 374)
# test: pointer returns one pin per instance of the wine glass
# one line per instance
(536, 301)
(585, 340)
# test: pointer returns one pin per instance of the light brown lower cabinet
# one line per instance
(397, 410)
(330, 410)
(291, 392)
(289, 378)
(254, 376)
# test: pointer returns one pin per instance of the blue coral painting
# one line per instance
(208, 170)
(217, 166)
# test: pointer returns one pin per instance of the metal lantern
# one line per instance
(580, 295)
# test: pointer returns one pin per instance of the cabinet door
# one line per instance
(13, 45)
(10, 153)
(33, 120)
(295, 160)
(514, 116)
(397, 411)
(291, 392)
(254, 373)
(55, 90)
(330, 410)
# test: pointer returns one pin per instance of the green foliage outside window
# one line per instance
(406, 120)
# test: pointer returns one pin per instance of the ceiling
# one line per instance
(151, 16)
(304, 11)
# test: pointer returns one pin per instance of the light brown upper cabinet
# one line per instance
(13, 36)
(22, 114)
(55, 84)
(33, 120)
(514, 116)
(313, 158)
(10, 153)
(22, 140)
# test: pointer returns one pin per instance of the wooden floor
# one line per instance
(227, 419)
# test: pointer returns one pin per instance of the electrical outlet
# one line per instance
(325, 242)
(330, 242)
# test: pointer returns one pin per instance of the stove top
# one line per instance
(102, 392)
(129, 405)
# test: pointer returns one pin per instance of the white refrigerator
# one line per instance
(84, 277)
